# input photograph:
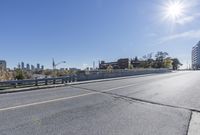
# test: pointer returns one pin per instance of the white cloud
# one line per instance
(185, 20)
(187, 34)
(188, 19)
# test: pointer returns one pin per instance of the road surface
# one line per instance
(162, 104)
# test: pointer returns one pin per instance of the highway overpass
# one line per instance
(161, 104)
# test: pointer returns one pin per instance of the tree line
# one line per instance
(159, 60)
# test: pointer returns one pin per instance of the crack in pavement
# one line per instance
(191, 110)
(188, 126)
(137, 99)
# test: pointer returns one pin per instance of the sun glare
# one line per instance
(174, 10)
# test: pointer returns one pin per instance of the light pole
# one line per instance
(56, 64)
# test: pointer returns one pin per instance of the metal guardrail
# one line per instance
(93, 75)
(37, 82)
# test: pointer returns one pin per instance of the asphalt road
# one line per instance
(160, 104)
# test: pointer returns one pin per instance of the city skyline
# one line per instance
(80, 32)
(28, 66)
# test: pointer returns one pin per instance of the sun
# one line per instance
(174, 10)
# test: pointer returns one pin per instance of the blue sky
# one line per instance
(83, 31)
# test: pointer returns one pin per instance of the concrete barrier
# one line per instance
(103, 74)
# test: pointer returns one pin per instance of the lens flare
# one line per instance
(174, 10)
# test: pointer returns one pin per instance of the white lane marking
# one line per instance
(48, 101)
(65, 98)
(194, 128)
(116, 88)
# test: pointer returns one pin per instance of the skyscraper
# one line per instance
(19, 66)
(32, 68)
(196, 56)
(42, 67)
(22, 65)
(38, 66)
(3, 65)
(27, 67)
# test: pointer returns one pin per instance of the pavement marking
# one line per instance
(194, 127)
(65, 98)
(48, 101)
(92, 93)
(116, 88)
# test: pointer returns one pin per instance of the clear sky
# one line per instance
(83, 31)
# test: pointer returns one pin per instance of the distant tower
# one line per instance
(38, 66)
(19, 66)
(53, 63)
(22, 65)
(42, 67)
(32, 68)
(27, 67)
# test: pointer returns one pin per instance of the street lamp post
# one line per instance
(55, 65)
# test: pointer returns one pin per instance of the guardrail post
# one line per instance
(14, 85)
(54, 81)
(46, 81)
(36, 81)
(63, 80)
(72, 78)
(66, 79)
(75, 78)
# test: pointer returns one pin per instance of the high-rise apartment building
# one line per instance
(196, 56)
